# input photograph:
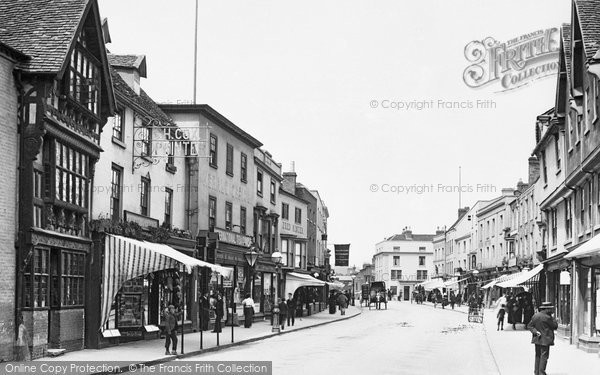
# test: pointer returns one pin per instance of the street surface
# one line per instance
(405, 339)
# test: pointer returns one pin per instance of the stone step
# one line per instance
(55, 352)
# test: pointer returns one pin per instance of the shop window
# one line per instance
(298, 255)
(37, 284)
(73, 273)
(285, 253)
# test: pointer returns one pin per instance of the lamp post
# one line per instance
(353, 278)
(276, 257)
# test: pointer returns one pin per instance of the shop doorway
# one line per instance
(406, 292)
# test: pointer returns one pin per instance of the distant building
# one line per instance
(404, 260)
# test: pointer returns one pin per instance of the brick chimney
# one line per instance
(289, 182)
(534, 169)
(407, 233)
(521, 186)
(439, 231)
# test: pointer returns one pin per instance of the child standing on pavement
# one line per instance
(500, 317)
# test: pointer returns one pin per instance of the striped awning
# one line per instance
(127, 258)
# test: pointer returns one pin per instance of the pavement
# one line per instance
(152, 351)
(514, 353)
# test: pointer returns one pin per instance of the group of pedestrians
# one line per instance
(519, 309)
(339, 299)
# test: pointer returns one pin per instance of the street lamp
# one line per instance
(353, 277)
(276, 257)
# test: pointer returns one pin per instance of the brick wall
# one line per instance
(8, 189)
(37, 326)
(67, 329)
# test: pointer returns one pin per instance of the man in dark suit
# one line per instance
(542, 326)
(204, 311)
(291, 310)
(283, 312)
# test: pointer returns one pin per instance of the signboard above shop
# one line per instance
(342, 255)
(233, 238)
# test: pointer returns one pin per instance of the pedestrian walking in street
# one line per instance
(204, 311)
(219, 312)
(500, 317)
(342, 301)
(283, 312)
(291, 309)
(452, 300)
(248, 305)
(170, 330)
(332, 302)
(542, 326)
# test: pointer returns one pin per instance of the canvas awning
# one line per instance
(500, 279)
(452, 283)
(588, 249)
(433, 284)
(521, 277)
(127, 258)
(294, 280)
(336, 285)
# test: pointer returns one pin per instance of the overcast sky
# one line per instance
(301, 78)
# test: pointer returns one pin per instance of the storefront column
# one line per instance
(576, 300)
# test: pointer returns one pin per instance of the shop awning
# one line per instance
(452, 283)
(294, 280)
(521, 277)
(433, 284)
(588, 249)
(501, 279)
(127, 258)
(336, 285)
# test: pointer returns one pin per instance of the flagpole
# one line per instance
(195, 51)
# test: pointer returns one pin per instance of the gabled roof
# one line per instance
(141, 102)
(41, 29)
(412, 237)
(137, 62)
(588, 12)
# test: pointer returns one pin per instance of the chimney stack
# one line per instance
(462, 212)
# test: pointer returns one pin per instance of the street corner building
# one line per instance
(56, 95)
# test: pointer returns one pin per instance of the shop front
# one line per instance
(132, 283)
(585, 284)
(558, 291)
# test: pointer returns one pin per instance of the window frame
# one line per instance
(243, 167)
(229, 160)
(117, 130)
(145, 196)
(259, 182)
(243, 219)
(228, 215)
(116, 202)
(297, 215)
(213, 159)
(168, 217)
(212, 212)
(285, 211)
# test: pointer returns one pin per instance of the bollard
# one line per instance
(276, 327)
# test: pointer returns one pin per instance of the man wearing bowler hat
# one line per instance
(542, 326)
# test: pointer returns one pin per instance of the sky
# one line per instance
(314, 81)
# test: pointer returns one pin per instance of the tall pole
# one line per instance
(459, 188)
(445, 264)
(195, 51)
